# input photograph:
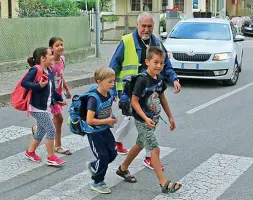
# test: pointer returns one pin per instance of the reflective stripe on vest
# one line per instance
(131, 63)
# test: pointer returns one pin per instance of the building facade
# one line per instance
(8, 8)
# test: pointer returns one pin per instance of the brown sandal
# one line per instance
(126, 175)
(62, 150)
(173, 188)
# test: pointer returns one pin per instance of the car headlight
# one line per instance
(170, 55)
(222, 56)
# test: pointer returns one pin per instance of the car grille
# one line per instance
(196, 57)
(194, 72)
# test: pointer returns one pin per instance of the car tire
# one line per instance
(233, 80)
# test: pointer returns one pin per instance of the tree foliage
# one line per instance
(48, 8)
(105, 5)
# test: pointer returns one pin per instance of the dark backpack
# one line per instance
(78, 112)
(128, 86)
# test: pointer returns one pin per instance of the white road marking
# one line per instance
(12, 133)
(76, 187)
(210, 179)
(17, 164)
(198, 108)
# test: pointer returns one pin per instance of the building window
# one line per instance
(147, 5)
(164, 3)
(179, 4)
(135, 5)
(141, 5)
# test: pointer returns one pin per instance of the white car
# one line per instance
(206, 48)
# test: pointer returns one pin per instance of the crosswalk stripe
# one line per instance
(76, 186)
(17, 164)
(211, 178)
(13, 132)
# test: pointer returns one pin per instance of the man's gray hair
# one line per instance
(145, 15)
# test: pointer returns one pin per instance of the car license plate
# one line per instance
(189, 66)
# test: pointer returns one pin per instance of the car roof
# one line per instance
(206, 20)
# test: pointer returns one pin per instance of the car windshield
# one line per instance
(201, 30)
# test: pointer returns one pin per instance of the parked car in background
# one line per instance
(247, 27)
(206, 48)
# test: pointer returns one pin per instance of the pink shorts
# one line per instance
(56, 109)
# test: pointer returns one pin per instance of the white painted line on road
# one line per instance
(76, 187)
(218, 99)
(211, 178)
(13, 132)
(18, 164)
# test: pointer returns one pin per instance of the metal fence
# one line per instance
(20, 36)
(113, 27)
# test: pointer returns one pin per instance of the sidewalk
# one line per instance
(75, 74)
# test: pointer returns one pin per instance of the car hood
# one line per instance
(198, 46)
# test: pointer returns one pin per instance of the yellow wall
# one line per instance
(4, 8)
(234, 9)
(121, 7)
(231, 8)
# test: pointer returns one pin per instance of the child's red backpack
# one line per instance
(20, 97)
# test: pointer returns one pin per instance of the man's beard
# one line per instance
(145, 37)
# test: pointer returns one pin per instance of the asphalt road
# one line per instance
(210, 152)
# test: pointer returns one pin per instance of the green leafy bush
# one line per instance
(110, 18)
(48, 8)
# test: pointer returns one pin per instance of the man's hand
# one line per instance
(177, 86)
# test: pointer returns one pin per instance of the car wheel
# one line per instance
(234, 78)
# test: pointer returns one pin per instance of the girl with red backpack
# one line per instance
(43, 96)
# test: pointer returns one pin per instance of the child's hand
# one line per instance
(68, 94)
(172, 124)
(62, 103)
(43, 83)
(112, 121)
(150, 122)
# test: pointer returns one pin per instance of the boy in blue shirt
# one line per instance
(102, 143)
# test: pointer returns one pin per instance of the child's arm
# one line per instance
(28, 80)
(167, 110)
(91, 120)
(138, 109)
(66, 88)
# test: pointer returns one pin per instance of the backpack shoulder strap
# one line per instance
(63, 60)
(99, 102)
(39, 73)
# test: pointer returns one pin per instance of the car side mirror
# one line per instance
(239, 38)
(164, 35)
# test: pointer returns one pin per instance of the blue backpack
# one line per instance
(128, 86)
(78, 112)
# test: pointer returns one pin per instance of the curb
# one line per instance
(72, 84)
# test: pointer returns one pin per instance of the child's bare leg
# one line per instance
(134, 151)
(33, 145)
(58, 120)
(155, 159)
(50, 147)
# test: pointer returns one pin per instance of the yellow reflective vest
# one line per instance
(131, 63)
